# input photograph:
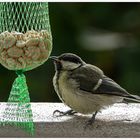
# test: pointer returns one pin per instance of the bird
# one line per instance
(84, 87)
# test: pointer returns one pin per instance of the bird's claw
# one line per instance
(91, 121)
(88, 123)
(61, 113)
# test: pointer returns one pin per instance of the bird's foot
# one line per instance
(61, 113)
(90, 121)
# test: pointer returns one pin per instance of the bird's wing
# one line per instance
(92, 80)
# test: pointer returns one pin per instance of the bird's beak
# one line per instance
(54, 58)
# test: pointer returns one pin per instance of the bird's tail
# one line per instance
(134, 98)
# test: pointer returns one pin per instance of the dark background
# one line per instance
(104, 34)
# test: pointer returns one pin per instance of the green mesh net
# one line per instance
(18, 110)
(24, 16)
(25, 43)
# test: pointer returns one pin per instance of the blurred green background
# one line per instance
(104, 34)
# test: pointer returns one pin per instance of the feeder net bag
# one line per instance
(25, 43)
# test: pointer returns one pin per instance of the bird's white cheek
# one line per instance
(69, 65)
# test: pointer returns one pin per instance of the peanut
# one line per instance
(15, 52)
(9, 41)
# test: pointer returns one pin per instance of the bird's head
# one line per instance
(67, 61)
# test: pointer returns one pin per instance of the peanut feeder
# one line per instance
(25, 43)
